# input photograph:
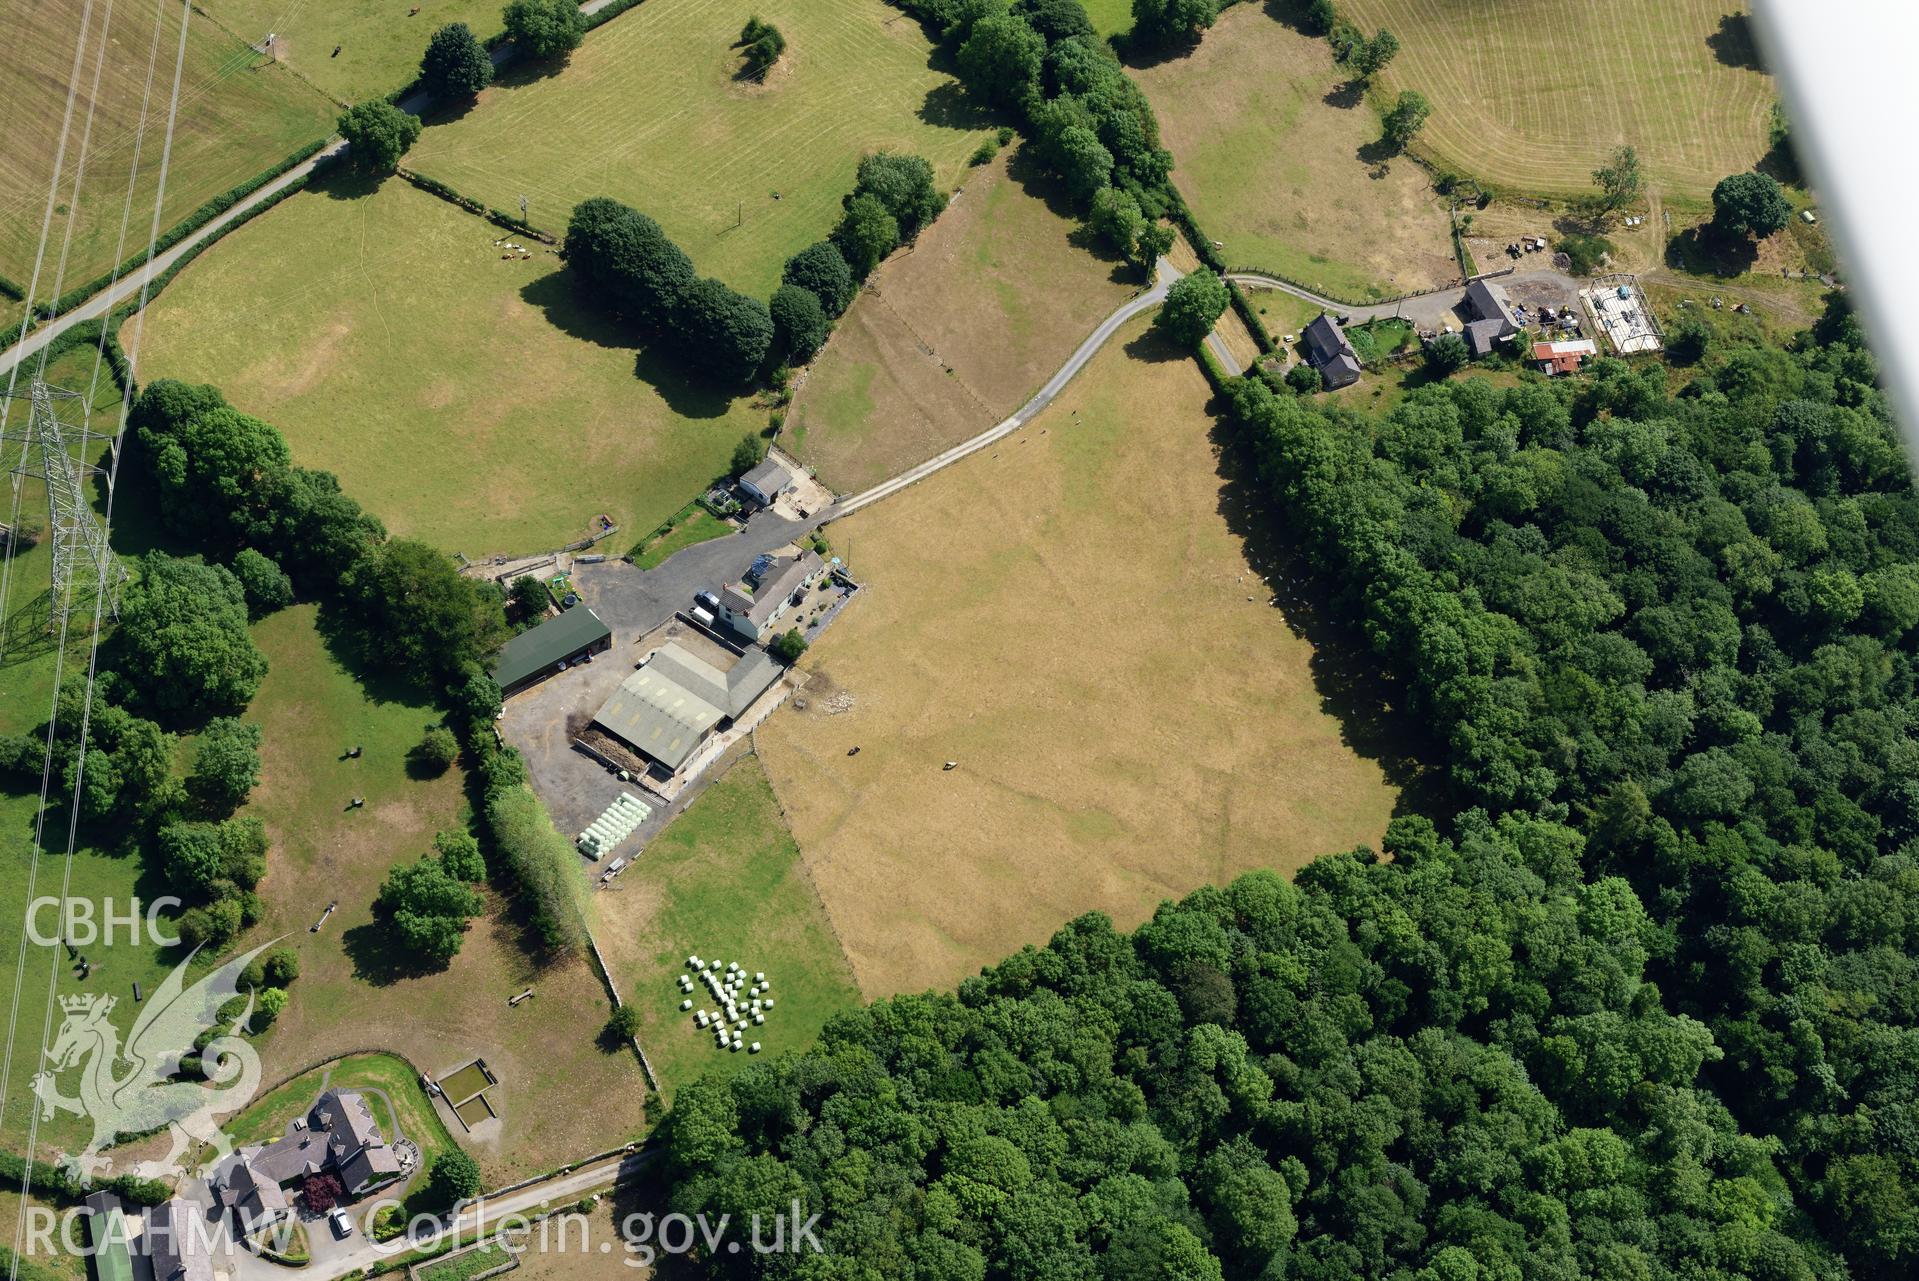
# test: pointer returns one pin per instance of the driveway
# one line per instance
(1427, 311)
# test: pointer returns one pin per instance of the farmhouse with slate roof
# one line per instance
(1328, 351)
(752, 605)
(1492, 317)
(338, 1136)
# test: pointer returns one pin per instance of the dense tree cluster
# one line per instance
(763, 44)
(1448, 1067)
(1686, 624)
(1193, 306)
(377, 134)
(428, 903)
(1749, 204)
(545, 28)
(214, 867)
(1089, 122)
(455, 66)
(626, 263)
(226, 764)
(183, 638)
(1163, 22)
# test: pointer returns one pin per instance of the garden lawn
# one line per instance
(1533, 95)
(692, 525)
(238, 116)
(956, 335)
(652, 111)
(1071, 618)
(465, 398)
(723, 880)
(388, 1082)
(380, 43)
(355, 991)
(1279, 167)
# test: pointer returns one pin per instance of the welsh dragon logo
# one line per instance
(138, 1088)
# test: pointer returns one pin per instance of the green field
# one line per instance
(741, 174)
(380, 43)
(1533, 95)
(238, 116)
(464, 398)
(1282, 171)
(724, 880)
(98, 872)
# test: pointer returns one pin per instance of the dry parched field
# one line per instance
(954, 335)
(465, 399)
(238, 116)
(1069, 618)
(1270, 158)
(741, 174)
(1534, 94)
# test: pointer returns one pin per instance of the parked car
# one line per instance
(707, 600)
(342, 1225)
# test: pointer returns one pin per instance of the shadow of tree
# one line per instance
(341, 181)
(1781, 164)
(523, 71)
(654, 363)
(1139, 55)
(949, 106)
(347, 643)
(1378, 155)
(1155, 348)
(1700, 251)
(380, 959)
(1348, 677)
(1295, 14)
(1346, 95)
(1733, 45)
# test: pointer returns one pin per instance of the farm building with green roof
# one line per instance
(538, 651)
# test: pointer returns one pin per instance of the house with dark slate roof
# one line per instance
(1492, 318)
(338, 1135)
(1328, 352)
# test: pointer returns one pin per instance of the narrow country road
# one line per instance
(1164, 275)
(128, 287)
(557, 1191)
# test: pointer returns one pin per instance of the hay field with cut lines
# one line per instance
(1532, 95)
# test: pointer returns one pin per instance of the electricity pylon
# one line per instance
(44, 450)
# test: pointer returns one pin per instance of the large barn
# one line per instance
(670, 706)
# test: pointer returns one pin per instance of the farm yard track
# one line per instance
(1511, 107)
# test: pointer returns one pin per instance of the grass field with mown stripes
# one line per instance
(238, 115)
(1532, 95)
(652, 111)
